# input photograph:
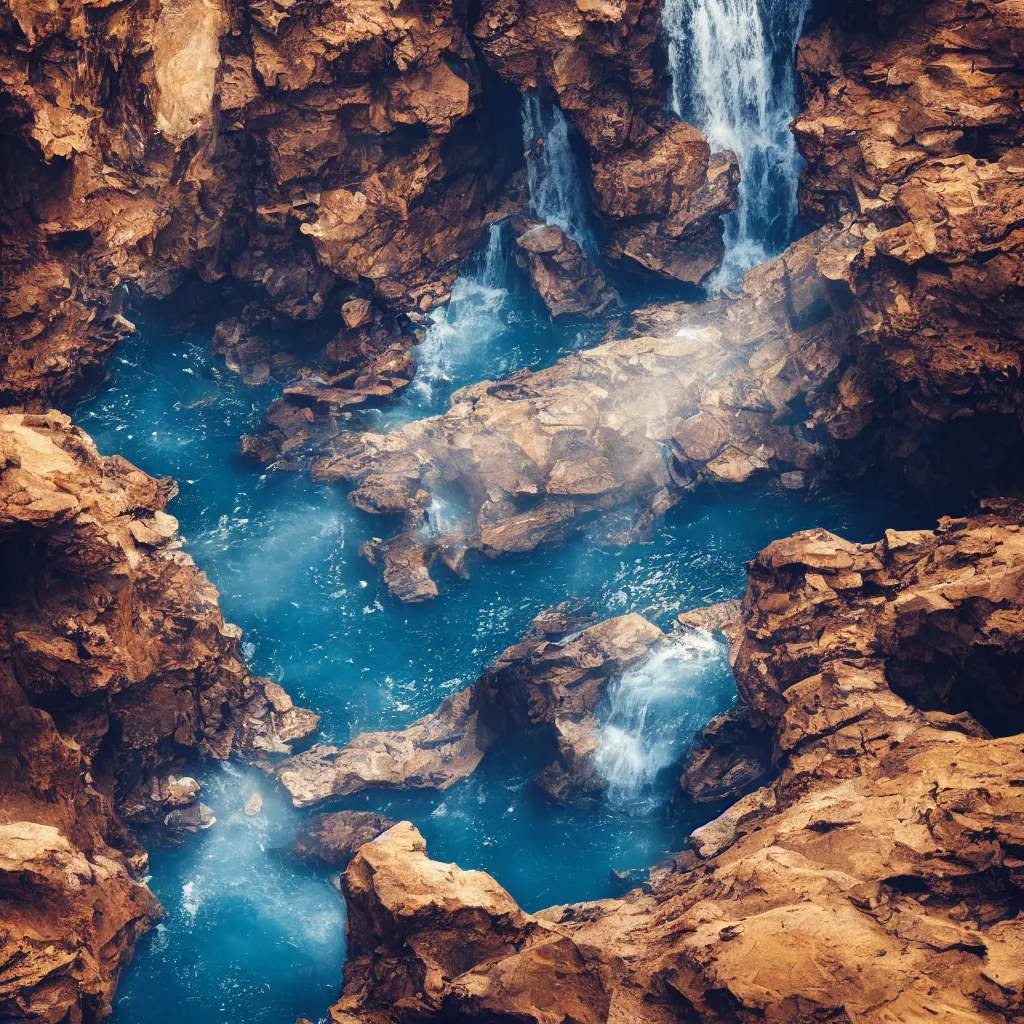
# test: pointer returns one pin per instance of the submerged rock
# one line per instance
(334, 839)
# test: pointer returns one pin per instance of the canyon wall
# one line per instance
(333, 163)
(327, 160)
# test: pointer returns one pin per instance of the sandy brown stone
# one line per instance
(549, 683)
(561, 271)
(300, 151)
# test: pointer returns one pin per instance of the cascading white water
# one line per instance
(554, 181)
(473, 316)
(731, 64)
(651, 711)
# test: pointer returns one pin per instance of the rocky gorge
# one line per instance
(837, 757)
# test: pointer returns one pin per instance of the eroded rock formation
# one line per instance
(115, 664)
(561, 271)
(653, 181)
(549, 683)
(877, 879)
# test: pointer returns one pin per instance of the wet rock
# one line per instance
(725, 617)
(666, 200)
(334, 839)
(549, 684)
(561, 271)
(729, 757)
(116, 669)
(195, 818)
(434, 752)
(153, 798)
(253, 803)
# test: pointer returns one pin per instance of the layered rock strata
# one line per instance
(877, 879)
(116, 665)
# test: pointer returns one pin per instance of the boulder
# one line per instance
(334, 839)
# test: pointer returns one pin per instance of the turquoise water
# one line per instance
(251, 935)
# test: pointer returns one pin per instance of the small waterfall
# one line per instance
(473, 316)
(553, 178)
(732, 68)
(652, 710)
(439, 519)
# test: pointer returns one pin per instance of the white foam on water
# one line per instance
(474, 316)
(651, 711)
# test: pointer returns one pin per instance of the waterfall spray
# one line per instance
(651, 711)
(554, 181)
(473, 316)
(731, 64)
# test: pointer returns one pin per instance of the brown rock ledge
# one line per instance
(878, 879)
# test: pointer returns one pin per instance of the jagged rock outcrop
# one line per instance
(728, 758)
(551, 682)
(432, 753)
(877, 879)
(561, 271)
(115, 664)
(913, 133)
(612, 436)
(666, 199)
(858, 348)
(832, 360)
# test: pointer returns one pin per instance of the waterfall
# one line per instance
(473, 316)
(731, 64)
(552, 176)
(651, 711)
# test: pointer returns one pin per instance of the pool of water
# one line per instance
(251, 935)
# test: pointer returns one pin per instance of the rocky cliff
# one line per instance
(335, 162)
(117, 670)
(877, 878)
